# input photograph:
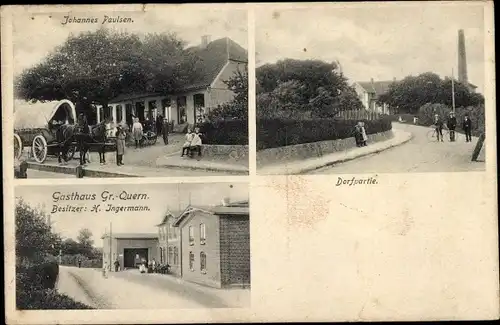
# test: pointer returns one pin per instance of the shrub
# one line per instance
(35, 289)
(273, 133)
(225, 132)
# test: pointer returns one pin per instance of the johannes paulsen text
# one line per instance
(94, 20)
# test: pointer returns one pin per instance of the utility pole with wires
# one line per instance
(452, 91)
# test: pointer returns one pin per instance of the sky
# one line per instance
(161, 198)
(34, 38)
(382, 42)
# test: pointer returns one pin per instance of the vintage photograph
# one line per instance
(371, 89)
(120, 94)
(155, 246)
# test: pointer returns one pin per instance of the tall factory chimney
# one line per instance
(462, 60)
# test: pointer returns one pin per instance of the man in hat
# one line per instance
(438, 124)
(452, 124)
(467, 126)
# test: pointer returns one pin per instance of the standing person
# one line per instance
(438, 125)
(452, 124)
(120, 144)
(357, 134)
(467, 127)
(137, 132)
(187, 144)
(196, 142)
(105, 270)
(153, 265)
(363, 134)
(117, 265)
(79, 262)
(165, 130)
(159, 120)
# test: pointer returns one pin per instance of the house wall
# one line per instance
(107, 255)
(212, 277)
(219, 93)
(235, 250)
(170, 239)
(363, 95)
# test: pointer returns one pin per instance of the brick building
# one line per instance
(215, 244)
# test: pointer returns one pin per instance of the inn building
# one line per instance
(219, 60)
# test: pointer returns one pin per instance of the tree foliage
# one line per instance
(34, 238)
(302, 89)
(409, 94)
(94, 67)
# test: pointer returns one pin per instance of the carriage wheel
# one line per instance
(39, 148)
(154, 140)
(18, 146)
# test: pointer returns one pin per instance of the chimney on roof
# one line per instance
(225, 202)
(205, 40)
(394, 79)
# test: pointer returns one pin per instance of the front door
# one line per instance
(181, 109)
(139, 111)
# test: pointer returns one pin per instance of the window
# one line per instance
(176, 256)
(191, 261)
(168, 231)
(164, 253)
(119, 114)
(202, 234)
(171, 231)
(191, 235)
(171, 255)
(161, 255)
(203, 262)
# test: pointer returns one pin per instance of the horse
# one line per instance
(64, 136)
(86, 140)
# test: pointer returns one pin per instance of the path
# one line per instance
(418, 155)
(132, 290)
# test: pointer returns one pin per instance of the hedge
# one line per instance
(273, 133)
(35, 289)
(225, 132)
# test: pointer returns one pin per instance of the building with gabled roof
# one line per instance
(129, 249)
(217, 61)
(369, 92)
(215, 244)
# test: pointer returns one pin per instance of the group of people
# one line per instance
(193, 143)
(451, 124)
(360, 134)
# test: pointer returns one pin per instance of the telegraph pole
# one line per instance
(452, 91)
(110, 244)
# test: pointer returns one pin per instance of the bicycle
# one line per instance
(432, 134)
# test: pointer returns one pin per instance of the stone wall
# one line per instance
(314, 149)
(233, 152)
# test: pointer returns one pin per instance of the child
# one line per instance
(187, 144)
(196, 142)
(363, 134)
(137, 131)
(120, 145)
(358, 135)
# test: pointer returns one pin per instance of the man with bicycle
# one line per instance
(452, 124)
(438, 125)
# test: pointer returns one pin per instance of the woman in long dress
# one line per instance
(120, 145)
(137, 132)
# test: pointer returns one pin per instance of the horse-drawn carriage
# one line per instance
(50, 129)
(36, 124)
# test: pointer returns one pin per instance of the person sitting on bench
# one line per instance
(196, 143)
(187, 144)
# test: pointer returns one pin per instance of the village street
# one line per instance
(133, 290)
(420, 154)
(142, 161)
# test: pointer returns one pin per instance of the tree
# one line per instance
(34, 238)
(85, 241)
(409, 94)
(302, 88)
(237, 108)
(94, 67)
